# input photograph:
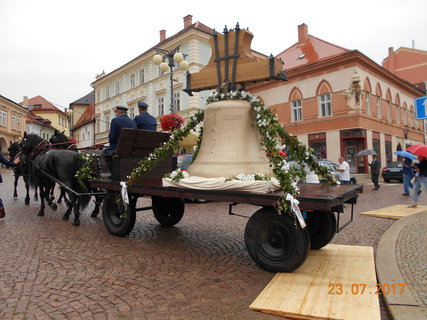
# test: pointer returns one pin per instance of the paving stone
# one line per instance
(198, 269)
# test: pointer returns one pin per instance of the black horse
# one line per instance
(60, 141)
(59, 164)
(22, 169)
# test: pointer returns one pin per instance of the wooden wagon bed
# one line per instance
(275, 242)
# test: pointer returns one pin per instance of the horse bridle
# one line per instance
(39, 149)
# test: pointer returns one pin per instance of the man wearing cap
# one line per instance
(145, 120)
(117, 124)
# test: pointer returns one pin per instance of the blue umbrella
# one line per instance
(405, 154)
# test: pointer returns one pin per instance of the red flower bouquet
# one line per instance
(171, 122)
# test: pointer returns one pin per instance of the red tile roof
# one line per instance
(87, 117)
(41, 104)
(310, 51)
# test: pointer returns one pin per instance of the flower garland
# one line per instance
(177, 175)
(85, 173)
(272, 134)
(165, 151)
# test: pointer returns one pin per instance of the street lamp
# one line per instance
(167, 61)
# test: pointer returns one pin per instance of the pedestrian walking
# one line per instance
(9, 164)
(421, 180)
(408, 174)
(343, 171)
(375, 171)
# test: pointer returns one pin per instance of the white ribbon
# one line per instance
(125, 197)
(295, 208)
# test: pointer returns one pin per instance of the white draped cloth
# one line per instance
(201, 183)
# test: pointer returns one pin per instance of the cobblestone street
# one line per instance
(198, 269)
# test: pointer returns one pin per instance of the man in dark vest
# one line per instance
(145, 120)
(120, 122)
(375, 171)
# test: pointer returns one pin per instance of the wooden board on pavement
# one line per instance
(336, 282)
(394, 212)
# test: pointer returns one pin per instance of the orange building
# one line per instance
(409, 64)
(339, 102)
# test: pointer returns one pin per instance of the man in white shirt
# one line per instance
(344, 171)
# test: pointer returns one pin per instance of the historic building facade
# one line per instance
(12, 122)
(83, 121)
(47, 110)
(142, 80)
(340, 102)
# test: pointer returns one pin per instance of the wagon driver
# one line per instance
(120, 122)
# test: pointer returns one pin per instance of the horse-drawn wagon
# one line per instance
(276, 242)
(241, 136)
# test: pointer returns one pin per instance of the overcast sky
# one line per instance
(55, 48)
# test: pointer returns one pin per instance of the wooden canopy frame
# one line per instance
(232, 63)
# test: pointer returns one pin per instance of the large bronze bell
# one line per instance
(230, 143)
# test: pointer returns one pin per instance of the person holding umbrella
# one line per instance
(407, 171)
(421, 171)
(375, 171)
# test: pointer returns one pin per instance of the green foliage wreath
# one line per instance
(273, 139)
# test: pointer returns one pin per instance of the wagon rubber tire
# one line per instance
(168, 211)
(117, 221)
(321, 226)
(276, 242)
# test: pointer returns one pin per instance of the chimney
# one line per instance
(188, 20)
(391, 60)
(162, 35)
(25, 103)
(302, 33)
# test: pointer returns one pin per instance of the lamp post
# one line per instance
(167, 61)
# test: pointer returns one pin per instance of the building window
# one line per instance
(132, 80)
(317, 141)
(325, 105)
(141, 76)
(18, 123)
(107, 92)
(3, 118)
(405, 117)
(161, 105)
(296, 110)
(13, 122)
(368, 103)
(176, 101)
(107, 122)
(117, 87)
(98, 125)
(132, 113)
(398, 114)
(379, 111)
(388, 111)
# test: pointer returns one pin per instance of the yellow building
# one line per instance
(43, 108)
(12, 122)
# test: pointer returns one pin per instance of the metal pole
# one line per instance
(171, 79)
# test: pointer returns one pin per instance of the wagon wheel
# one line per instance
(276, 242)
(168, 211)
(321, 226)
(118, 220)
